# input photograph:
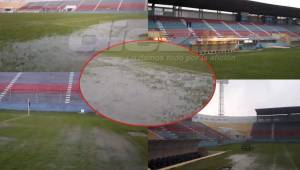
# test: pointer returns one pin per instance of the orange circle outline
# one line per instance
(202, 58)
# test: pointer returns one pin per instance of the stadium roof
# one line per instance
(235, 6)
(277, 111)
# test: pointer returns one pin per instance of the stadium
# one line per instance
(235, 34)
(95, 6)
(45, 36)
(268, 138)
(44, 123)
(44, 110)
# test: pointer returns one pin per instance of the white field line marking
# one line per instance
(119, 6)
(191, 161)
(69, 89)
(12, 119)
(10, 85)
(274, 162)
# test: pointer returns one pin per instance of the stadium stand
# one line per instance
(33, 7)
(46, 91)
(189, 130)
(277, 124)
(99, 6)
(181, 142)
(175, 143)
(10, 7)
(211, 28)
(238, 129)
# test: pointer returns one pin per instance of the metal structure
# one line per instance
(221, 96)
(237, 6)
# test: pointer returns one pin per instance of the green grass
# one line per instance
(265, 64)
(280, 155)
(159, 53)
(44, 141)
(29, 26)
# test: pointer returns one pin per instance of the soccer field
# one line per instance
(159, 85)
(264, 156)
(61, 41)
(159, 53)
(29, 26)
(264, 64)
(69, 141)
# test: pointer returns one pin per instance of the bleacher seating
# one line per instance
(207, 131)
(105, 6)
(174, 27)
(33, 6)
(177, 131)
(87, 5)
(261, 131)
(282, 131)
(54, 6)
(177, 27)
(133, 5)
(12, 6)
(240, 29)
(46, 92)
(190, 130)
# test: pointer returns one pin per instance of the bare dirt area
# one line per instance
(143, 93)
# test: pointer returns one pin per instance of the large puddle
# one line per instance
(143, 93)
(108, 150)
(261, 162)
(68, 53)
(243, 162)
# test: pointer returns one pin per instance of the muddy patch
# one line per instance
(68, 53)
(143, 93)
(99, 149)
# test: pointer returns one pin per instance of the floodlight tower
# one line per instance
(221, 96)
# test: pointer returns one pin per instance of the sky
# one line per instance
(242, 97)
(290, 3)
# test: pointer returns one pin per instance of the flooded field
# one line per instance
(260, 162)
(68, 53)
(55, 140)
(143, 93)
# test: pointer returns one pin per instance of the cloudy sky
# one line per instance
(242, 97)
(291, 3)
